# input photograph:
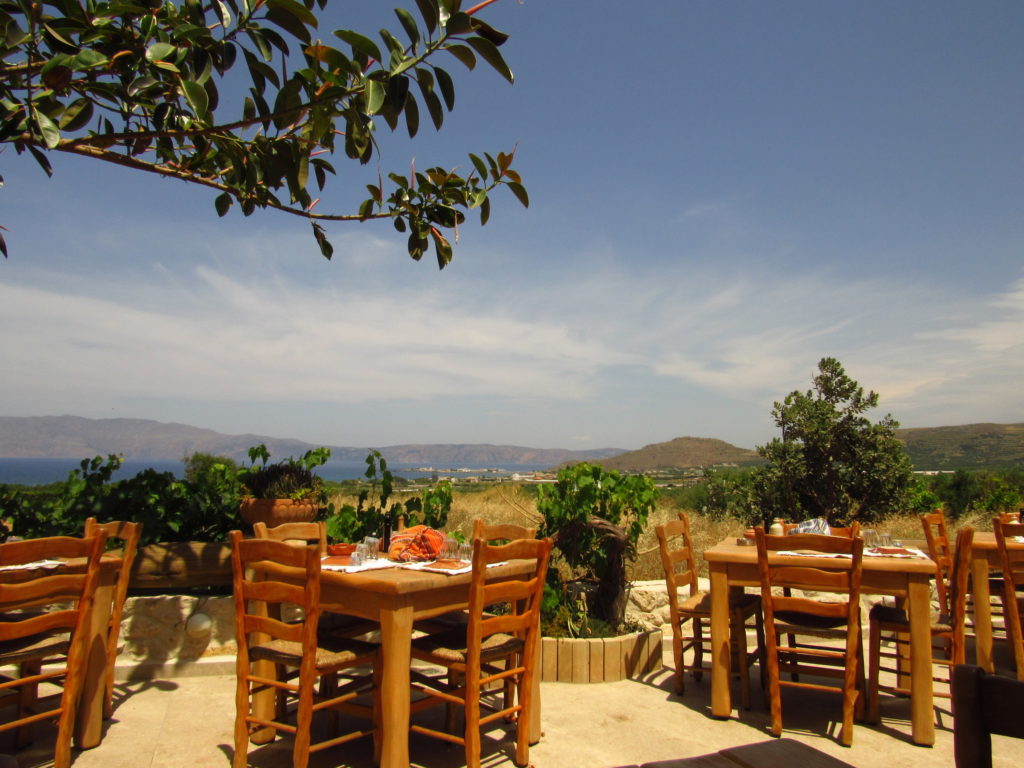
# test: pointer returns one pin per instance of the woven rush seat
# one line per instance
(451, 646)
(330, 653)
(26, 648)
(890, 614)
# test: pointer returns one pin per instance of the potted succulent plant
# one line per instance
(283, 492)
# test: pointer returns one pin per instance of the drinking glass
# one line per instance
(361, 555)
(373, 547)
(466, 552)
(886, 540)
(450, 549)
(870, 537)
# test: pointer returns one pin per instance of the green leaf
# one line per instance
(481, 167)
(447, 86)
(49, 132)
(485, 211)
(459, 24)
(409, 25)
(298, 10)
(376, 93)
(282, 13)
(489, 52)
(361, 44)
(88, 58)
(224, 13)
(77, 115)
(223, 203)
(196, 96)
(412, 116)
(430, 12)
(160, 52)
(41, 158)
(463, 54)
(520, 192)
(321, 238)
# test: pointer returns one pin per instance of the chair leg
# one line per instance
(28, 695)
(677, 655)
(239, 759)
(875, 662)
(303, 727)
(759, 633)
(698, 649)
(524, 684)
(774, 694)
(472, 731)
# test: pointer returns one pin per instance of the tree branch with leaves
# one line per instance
(138, 83)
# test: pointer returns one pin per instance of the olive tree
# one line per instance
(248, 98)
(831, 461)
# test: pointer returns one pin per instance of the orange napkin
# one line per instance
(415, 544)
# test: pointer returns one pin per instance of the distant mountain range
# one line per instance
(970, 446)
(143, 439)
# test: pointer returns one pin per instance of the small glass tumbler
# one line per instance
(449, 550)
(886, 539)
(466, 552)
(361, 555)
(870, 537)
(373, 547)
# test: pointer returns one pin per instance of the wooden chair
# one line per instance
(983, 705)
(263, 637)
(300, 533)
(694, 607)
(53, 629)
(127, 534)
(339, 624)
(820, 619)
(1011, 556)
(470, 653)
(947, 627)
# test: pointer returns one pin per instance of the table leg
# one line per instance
(918, 599)
(721, 701)
(88, 731)
(982, 610)
(396, 639)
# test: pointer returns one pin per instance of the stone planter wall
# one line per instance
(600, 660)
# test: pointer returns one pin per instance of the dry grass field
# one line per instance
(511, 503)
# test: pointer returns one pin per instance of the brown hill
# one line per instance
(681, 453)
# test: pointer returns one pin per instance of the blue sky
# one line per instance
(722, 193)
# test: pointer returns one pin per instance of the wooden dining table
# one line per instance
(733, 566)
(88, 730)
(395, 598)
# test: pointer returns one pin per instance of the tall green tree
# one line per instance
(831, 460)
(139, 83)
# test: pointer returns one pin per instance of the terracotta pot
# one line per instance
(275, 512)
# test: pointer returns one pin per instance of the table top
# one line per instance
(729, 551)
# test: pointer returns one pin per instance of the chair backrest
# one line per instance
(128, 534)
(956, 591)
(306, 533)
(679, 563)
(936, 534)
(70, 594)
(805, 573)
(256, 591)
(501, 531)
(520, 598)
(1010, 540)
(982, 705)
